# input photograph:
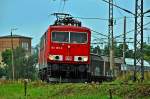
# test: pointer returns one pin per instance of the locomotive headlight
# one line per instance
(81, 58)
(51, 57)
(85, 58)
(56, 57)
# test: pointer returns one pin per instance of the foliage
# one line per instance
(2, 72)
(147, 52)
(96, 50)
(6, 56)
(118, 49)
(129, 54)
(106, 50)
(24, 63)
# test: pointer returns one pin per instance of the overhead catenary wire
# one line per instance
(91, 18)
(98, 18)
(132, 30)
(104, 19)
(121, 35)
(63, 7)
(119, 7)
(60, 4)
(99, 33)
(118, 10)
(122, 14)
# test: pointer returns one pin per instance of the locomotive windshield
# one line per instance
(69, 37)
(78, 37)
(60, 36)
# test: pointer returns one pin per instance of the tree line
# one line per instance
(24, 64)
(118, 49)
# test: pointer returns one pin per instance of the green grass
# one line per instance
(38, 90)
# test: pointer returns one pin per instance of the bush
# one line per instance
(2, 72)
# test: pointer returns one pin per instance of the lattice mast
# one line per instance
(138, 40)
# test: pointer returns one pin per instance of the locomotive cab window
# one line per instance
(60, 37)
(69, 37)
(78, 37)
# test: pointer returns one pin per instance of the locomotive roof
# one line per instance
(67, 26)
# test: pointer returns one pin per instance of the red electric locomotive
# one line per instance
(65, 51)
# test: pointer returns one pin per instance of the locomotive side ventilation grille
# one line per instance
(66, 19)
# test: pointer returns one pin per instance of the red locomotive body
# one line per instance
(64, 52)
(65, 44)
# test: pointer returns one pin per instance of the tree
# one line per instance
(24, 64)
(2, 72)
(129, 54)
(146, 52)
(97, 50)
(119, 50)
(91, 49)
(106, 50)
(6, 58)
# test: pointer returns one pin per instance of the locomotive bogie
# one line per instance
(66, 71)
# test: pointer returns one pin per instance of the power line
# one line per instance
(64, 5)
(90, 18)
(147, 16)
(131, 30)
(99, 33)
(119, 7)
(59, 8)
(122, 14)
(61, 5)
(97, 18)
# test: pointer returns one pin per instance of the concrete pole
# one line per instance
(124, 40)
(124, 47)
(111, 39)
(12, 57)
(104, 68)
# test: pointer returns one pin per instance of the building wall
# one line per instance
(28, 41)
(5, 43)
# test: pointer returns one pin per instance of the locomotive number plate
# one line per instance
(68, 58)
